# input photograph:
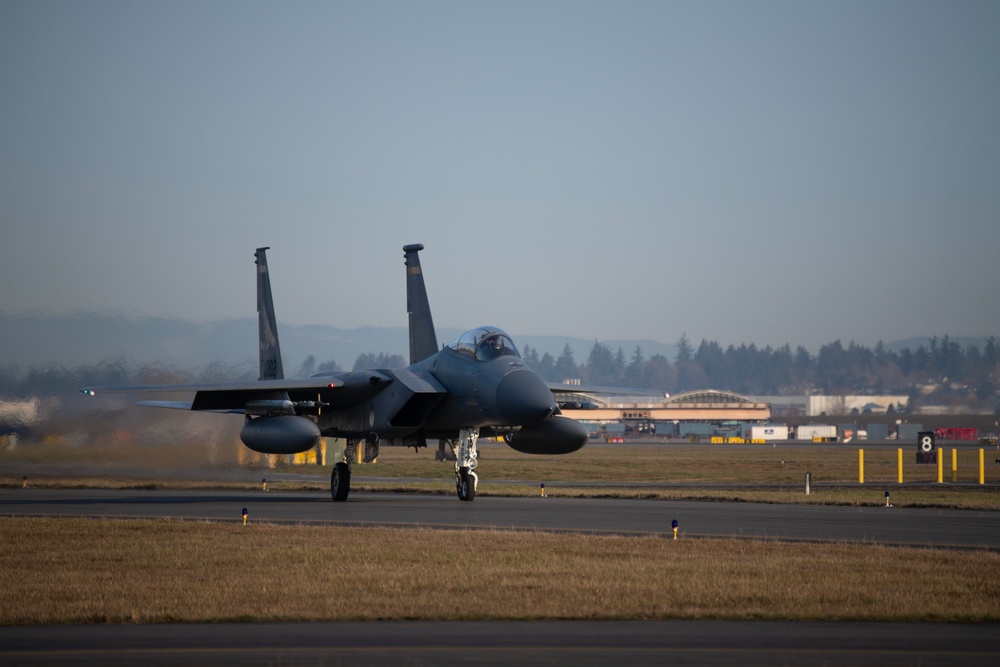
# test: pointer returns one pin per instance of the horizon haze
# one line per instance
(80, 339)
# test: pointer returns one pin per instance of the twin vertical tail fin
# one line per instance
(267, 326)
(423, 340)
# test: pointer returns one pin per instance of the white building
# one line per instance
(833, 406)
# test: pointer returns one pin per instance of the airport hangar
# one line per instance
(665, 415)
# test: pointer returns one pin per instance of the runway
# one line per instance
(696, 519)
(501, 643)
(576, 643)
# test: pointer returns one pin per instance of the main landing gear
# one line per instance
(466, 460)
(340, 476)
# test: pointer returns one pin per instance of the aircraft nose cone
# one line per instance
(522, 398)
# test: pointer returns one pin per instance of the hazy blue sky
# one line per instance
(763, 172)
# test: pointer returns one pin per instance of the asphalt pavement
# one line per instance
(871, 524)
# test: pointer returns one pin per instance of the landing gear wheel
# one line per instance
(340, 482)
(465, 482)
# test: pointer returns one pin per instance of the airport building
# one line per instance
(706, 406)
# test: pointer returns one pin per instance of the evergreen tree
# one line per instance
(530, 357)
(684, 351)
(781, 373)
(906, 362)
(662, 376)
(991, 353)
(601, 365)
(566, 368)
(635, 373)
(803, 365)
(307, 368)
(547, 368)
(712, 360)
(368, 361)
(329, 366)
(831, 368)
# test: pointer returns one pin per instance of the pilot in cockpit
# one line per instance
(491, 347)
(484, 344)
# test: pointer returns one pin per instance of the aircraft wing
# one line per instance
(338, 391)
(258, 385)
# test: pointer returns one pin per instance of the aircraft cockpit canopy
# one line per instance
(485, 343)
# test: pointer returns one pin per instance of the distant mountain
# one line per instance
(71, 339)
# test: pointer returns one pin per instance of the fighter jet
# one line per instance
(475, 385)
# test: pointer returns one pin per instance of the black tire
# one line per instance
(340, 482)
(466, 485)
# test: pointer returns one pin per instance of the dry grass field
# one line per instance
(747, 473)
(71, 570)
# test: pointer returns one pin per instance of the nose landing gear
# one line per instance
(466, 460)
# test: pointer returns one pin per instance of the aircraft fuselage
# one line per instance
(446, 392)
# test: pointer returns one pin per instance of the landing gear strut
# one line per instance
(446, 451)
(371, 448)
(466, 460)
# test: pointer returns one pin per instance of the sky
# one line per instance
(745, 172)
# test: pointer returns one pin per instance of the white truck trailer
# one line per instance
(769, 432)
(827, 432)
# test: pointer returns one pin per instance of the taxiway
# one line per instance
(696, 519)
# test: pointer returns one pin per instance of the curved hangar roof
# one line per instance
(708, 397)
(702, 405)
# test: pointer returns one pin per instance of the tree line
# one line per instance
(942, 371)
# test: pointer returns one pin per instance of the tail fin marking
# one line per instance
(423, 339)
